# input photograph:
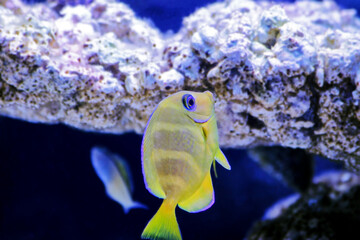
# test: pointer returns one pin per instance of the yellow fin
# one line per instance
(214, 167)
(221, 159)
(202, 199)
(163, 225)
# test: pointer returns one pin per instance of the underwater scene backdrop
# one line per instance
(49, 189)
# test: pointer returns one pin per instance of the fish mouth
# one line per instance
(201, 120)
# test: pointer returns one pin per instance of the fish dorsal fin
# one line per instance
(124, 171)
(151, 179)
(221, 159)
(202, 199)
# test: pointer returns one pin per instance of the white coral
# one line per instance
(284, 74)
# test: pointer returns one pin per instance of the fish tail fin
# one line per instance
(163, 225)
(134, 205)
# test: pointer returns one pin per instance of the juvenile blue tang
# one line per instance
(179, 144)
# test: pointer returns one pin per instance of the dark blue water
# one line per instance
(49, 190)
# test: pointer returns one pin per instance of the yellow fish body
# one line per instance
(179, 144)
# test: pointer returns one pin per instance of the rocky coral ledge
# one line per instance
(282, 74)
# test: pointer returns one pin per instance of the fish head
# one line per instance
(199, 106)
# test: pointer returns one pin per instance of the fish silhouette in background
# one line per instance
(116, 176)
(293, 166)
(179, 145)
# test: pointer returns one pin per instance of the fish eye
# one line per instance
(188, 102)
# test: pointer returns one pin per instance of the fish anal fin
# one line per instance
(221, 159)
(202, 199)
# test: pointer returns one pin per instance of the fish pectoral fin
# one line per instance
(214, 168)
(221, 159)
(202, 199)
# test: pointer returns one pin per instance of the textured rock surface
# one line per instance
(330, 210)
(286, 75)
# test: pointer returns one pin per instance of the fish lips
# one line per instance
(201, 121)
(200, 118)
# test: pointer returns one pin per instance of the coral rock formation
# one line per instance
(330, 210)
(281, 74)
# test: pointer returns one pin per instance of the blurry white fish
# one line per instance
(115, 174)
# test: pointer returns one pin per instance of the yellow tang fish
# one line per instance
(179, 144)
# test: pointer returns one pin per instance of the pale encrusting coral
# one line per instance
(329, 210)
(283, 74)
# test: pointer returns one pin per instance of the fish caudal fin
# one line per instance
(163, 225)
(134, 205)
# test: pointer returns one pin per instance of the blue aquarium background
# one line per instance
(49, 189)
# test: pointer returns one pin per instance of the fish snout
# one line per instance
(210, 95)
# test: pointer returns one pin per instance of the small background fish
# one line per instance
(116, 176)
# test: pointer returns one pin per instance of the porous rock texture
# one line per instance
(284, 74)
(330, 210)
